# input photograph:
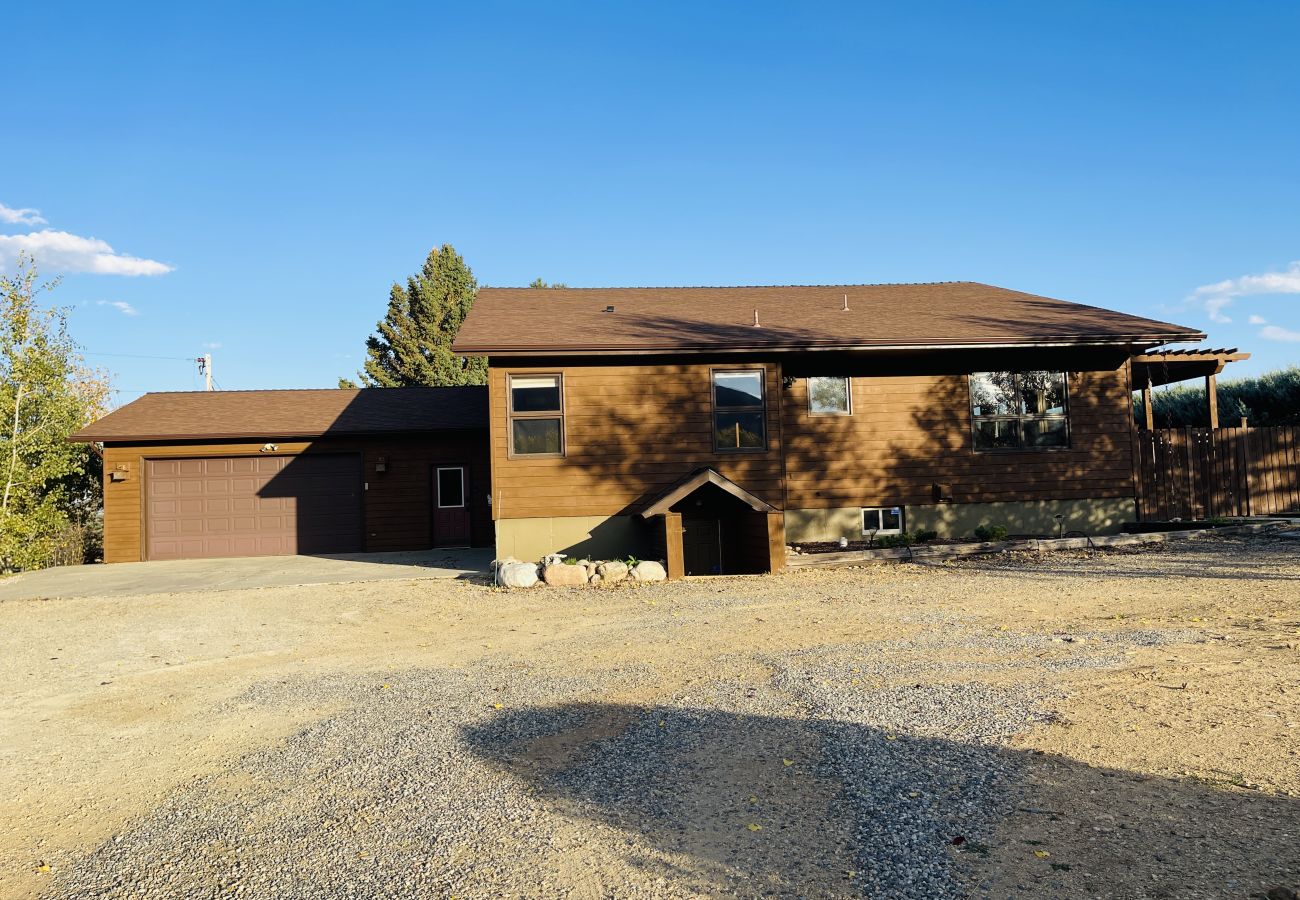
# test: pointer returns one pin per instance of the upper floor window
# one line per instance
(739, 417)
(536, 415)
(1019, 410)
(830, 396)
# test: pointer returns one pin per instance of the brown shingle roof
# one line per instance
(504, 321)
(201, 415)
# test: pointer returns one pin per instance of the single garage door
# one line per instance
(252, 506)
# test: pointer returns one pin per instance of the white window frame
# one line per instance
(438, 487)
(878, 510)
(848, 396)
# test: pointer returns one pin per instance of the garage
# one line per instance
(252, 506)
(212, 474)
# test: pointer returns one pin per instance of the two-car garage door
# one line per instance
(252, 506)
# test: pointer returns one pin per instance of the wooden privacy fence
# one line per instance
(1197, 473)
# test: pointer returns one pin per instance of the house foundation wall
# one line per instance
(958, 520)
(596, 537)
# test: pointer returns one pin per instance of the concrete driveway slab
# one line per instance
(181, 576)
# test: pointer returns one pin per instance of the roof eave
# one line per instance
(646, 349)
(83, 437)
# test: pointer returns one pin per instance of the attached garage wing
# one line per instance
(253, 506)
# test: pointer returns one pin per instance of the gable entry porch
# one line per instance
(706, 524)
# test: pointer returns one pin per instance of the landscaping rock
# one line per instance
(648, 571)
(594, 579)
(612, 571)
(562, 575)
(517, 574)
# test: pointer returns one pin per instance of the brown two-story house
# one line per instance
(709, 427)
(716, 425)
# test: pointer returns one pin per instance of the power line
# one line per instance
(139, 356)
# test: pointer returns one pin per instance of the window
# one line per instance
(1019, 410)
(451, 488)
(739, 420)
(536, 415)
(829, 397)
(882, 520)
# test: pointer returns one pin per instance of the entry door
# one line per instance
(701, 546)
(450, 511)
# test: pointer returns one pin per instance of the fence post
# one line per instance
(1245, 466)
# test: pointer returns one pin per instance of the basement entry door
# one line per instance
(252, 506)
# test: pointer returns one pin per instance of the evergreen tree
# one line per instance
(411, 346)
(541, 283)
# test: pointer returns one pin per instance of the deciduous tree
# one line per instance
(50, 491)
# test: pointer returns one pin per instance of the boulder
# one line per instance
(561, 575)
(516, 574)
(593, 579)
(612, 571)
(649, 570)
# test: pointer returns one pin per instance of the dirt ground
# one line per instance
(1163, 767)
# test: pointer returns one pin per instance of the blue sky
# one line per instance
(262, 173)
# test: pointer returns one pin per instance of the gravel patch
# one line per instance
(845, 767)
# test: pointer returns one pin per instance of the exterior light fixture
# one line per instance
(381, 464)
(270, 448)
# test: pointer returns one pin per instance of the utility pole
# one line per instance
(205, 369)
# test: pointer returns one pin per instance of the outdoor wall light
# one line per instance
(381, 464)
(120, 473)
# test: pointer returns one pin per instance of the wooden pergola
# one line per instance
(1167, 366)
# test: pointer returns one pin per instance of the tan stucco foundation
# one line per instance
(603, 537)
(957, 520)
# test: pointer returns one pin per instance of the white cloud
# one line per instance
(121, 306)
(1215, 297)
(20, 216)
(1257, 320)
(211, 345)
(63, 252)
(1276, 333)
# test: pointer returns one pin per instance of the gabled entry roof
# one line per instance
(791, 318)
(684, 487)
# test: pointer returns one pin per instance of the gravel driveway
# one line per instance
(1076, 725)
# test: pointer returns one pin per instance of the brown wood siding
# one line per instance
(908, 432)
(397, 505)
(630, 431)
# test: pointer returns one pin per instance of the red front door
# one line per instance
(450, 509)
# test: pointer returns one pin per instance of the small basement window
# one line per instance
(536, 415)
(739, 416)
(830, 396)
(882, 520)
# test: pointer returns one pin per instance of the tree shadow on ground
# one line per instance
(1230, 558)
(726, 802)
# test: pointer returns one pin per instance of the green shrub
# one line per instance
(1269, 399)
(926, 535)
(887, 541)
(991, 533)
